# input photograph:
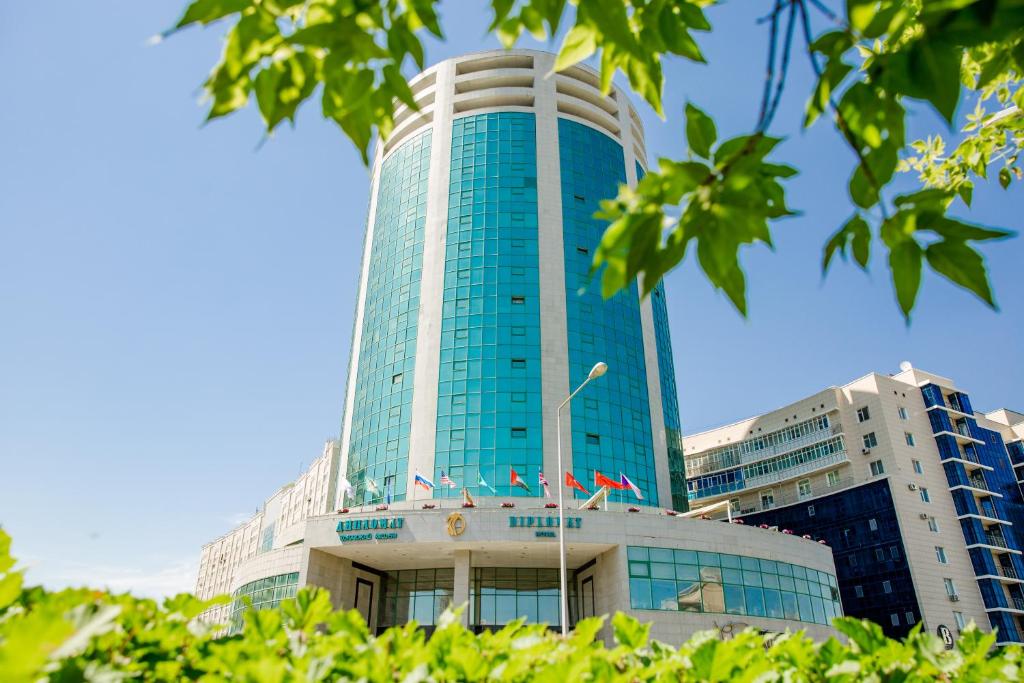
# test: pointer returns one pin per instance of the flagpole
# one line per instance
(598, 370)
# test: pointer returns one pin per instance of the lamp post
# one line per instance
(595, 372)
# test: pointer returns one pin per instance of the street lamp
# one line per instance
(595, 372)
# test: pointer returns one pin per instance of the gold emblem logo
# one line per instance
(456, 524)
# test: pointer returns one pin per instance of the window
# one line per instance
(950, 587)
(924, 495)
(917, 467)
(873, 524)
(810, 510)
(933, 525)
(803, 488)
(904, 415)
(887, 586)
(767, 499)
(593, 439)
(396, 379)
(833, 478)
(879, 555)
(863, 414)
(909, 438)
(518, 300)
(519, 331)
(910, 618)
(519, 397)
(870, 440)
(958, 617)
(518, 363)
(877, 468)
(894, 552)
(940, 555)
(852, 560)
(582, 250)
(519, 432)
(895, 619)
(858, 591)
(734, 505)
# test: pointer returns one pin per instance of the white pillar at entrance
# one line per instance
(461, 593)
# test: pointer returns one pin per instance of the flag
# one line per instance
(572, 483)
(423, 482)
(631, 485)
(371, 486)
(544, 483)
(346, 487)
(601, 480)
(483, 483)
(446, 480)
(516, 481)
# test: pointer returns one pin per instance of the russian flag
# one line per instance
(636, 489)
(423, 482)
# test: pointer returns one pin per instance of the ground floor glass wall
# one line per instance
(691, 581)
(415, 594)
(262, 594)
(499, 595)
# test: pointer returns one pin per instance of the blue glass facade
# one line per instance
(669, 398)
(861, 527)
(674, 580)
(992, 493)
(382, 410)
(669, 392)
(611, 422)
(489, 413)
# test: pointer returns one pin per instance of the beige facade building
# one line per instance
(917, 495)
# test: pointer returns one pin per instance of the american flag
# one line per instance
(447, 481)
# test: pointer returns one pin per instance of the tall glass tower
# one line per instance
(476, 312)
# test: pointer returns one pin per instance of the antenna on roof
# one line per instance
(905, 366)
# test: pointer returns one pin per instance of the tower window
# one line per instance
(519, 432)
(518, 300)
(396, 379)
(518, 363)
(593, 439)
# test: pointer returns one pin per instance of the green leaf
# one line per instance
(934, 70)
(856, 233)
(905, 263)
(207, 11)
(1004, 177)
(629, 632)
(961, 265)
(700, 131)
(579, 43)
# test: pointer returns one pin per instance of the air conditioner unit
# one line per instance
(923, 515)
(954, 598)
(912, 487)
(865, 451)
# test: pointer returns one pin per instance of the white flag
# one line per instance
(371, 486)
(346, 487)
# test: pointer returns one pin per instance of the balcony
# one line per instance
(951, 410)
(960, 437)
(796, 471)
(730, 460)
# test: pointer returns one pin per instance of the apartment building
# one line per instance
(918, 496)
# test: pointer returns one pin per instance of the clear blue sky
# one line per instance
(176, 303)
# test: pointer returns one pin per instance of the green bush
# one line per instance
(84, 635)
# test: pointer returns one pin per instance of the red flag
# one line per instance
(572, 483)
(516, 480)
(601, 480)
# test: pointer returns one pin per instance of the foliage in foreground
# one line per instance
(79, 635)
(873, 60)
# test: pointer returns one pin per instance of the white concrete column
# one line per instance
(357, 326)
(460, 596)
(428, 330)
(554, 335)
